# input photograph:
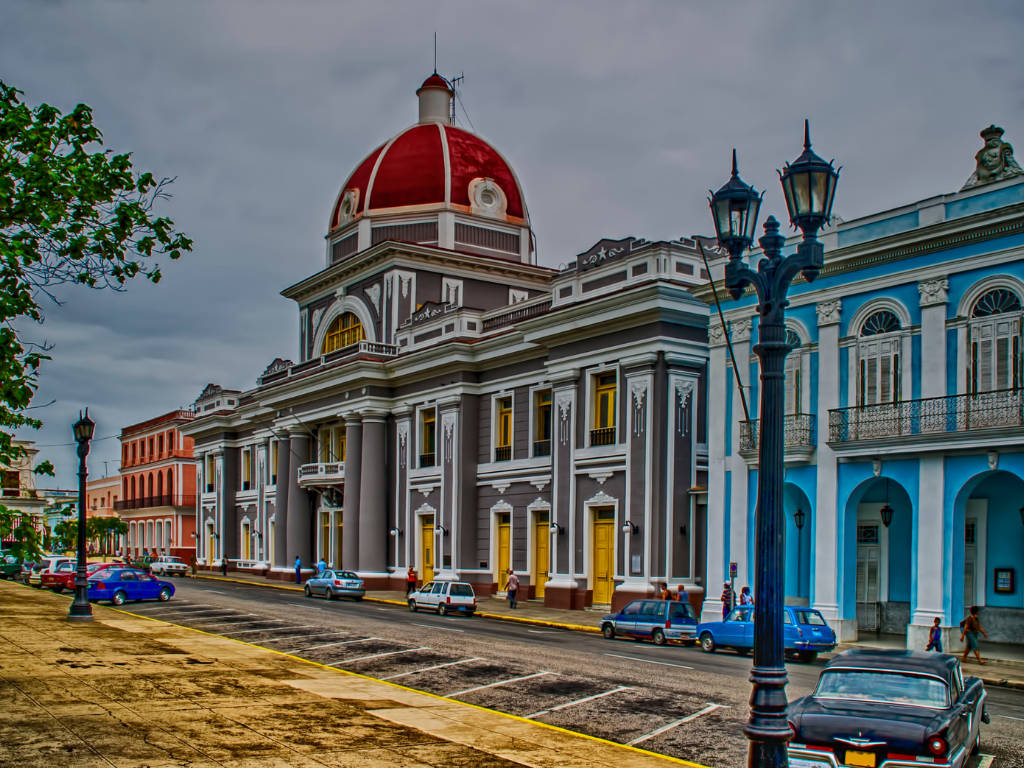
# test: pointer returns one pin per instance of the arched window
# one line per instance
(159, 483)
(345, 331)
(149, 485)
(878, 353)
(134, 495)
(170, 483)
(794, 373)
(995, 342)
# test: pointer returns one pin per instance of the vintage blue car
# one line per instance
(656, 620)
(118, 585)
(888, 709)
(806, 633)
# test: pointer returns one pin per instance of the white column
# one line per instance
(717, 395)
(739, 505)
(933, 336)
(927, 552)
(827, 541)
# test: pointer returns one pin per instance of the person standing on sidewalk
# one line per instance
(971, 627)
(223, 566)
(298, 569)
(727, 598)
(321, 566)
(410, 581)
(935, 637)
(194, 564)
(746, 598)
(513, 588)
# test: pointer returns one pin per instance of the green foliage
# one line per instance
(69, 213)
(65, 535)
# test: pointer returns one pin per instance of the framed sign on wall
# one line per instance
(1004, 580)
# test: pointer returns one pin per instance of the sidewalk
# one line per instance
(130, 691)
(1004, 667)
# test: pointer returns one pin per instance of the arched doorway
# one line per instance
(878, 543)
(988, 539)
(798, 513)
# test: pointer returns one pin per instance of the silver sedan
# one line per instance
(332, 584)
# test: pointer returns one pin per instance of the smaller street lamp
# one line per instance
(630, 527)
(80, 609)
(798, 518)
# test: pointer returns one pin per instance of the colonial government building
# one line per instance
(458, 408)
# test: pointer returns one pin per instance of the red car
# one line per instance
(64, 577)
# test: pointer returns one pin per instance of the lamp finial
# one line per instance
(807, 133)
(734, 171)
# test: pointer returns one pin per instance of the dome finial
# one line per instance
(435, 97)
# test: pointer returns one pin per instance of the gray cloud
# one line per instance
(616, 116)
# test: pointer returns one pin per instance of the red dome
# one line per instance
(435, 81)
(429, 163)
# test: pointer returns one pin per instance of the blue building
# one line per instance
(904, 494)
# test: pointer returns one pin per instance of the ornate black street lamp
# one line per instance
(809, 184)
(80, 609)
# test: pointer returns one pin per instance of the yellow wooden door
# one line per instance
(604, 540)
(504, 550)
(338, 531)
(245, 542)
(427, 548)
(541, 540)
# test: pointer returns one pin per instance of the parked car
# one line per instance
(48, 564)
(444, 597)
(168, 565)
(805, 632)
(67, 575)
(884, 708)
(118, 585)
(56, 579)
(332, 584)
(659, 621)
(10, 567)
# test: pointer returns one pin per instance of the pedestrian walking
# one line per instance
(727, 599)
(935, 637)
(970, 628)
(194, 564)
(513, 588)
(746, 598)
(298, 569)
(321, 566)
(663, 593)
(410, 581)
(223, 566)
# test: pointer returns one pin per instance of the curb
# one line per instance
(389, 601)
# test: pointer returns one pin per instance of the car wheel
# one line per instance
(442, 610)
(658, 637)
(608, 631)
(120, 598)
(807, 657)
(707, 643)
(412, 606)
(309, 592)
(165, 594)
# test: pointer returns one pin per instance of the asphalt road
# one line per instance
(673, 700)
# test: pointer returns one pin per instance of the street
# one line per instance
(672, 700)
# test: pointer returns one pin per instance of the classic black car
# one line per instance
(888, 709)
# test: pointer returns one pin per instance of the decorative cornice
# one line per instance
(933, 292)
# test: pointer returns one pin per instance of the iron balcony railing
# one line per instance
(426, 459)
(503, 453)
(321, 472)
(798, 427)
(166, 500)
(513, 316)
(542, 448)
(604, 436)
(927, 416)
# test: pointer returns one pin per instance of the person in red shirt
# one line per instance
(410, 581)
(513, 588)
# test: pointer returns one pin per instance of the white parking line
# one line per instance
(542, 631)
(1010, 717)
(377, 656)
(500, 682)
(986, 760)
(326, 645)
(649, 661)
(428, 669)
(675, 723)
(431, 626)
(262, 629)
(316, 634)
(579, 701)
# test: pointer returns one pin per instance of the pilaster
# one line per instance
(373, 499)
(284, 471)
(353, 485)
(718, 395)
(825, 539)
(934, 295)
(299, 509)
(740, 535)
(927, 552)
(560, 589)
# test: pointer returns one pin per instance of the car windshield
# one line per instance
(807, 616)
(683, 609)
(884, 686)
(171, 559)
(461, 590)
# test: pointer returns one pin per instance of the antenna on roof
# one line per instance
(456, 82)
(435, 52)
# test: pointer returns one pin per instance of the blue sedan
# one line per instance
(805, 633)
(119, 585)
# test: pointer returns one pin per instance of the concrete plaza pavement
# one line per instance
(129, 691)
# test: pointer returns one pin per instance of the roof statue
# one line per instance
(994, 160)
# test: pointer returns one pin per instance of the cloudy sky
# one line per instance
(616, 116)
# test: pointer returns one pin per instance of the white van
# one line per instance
(444, 597)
